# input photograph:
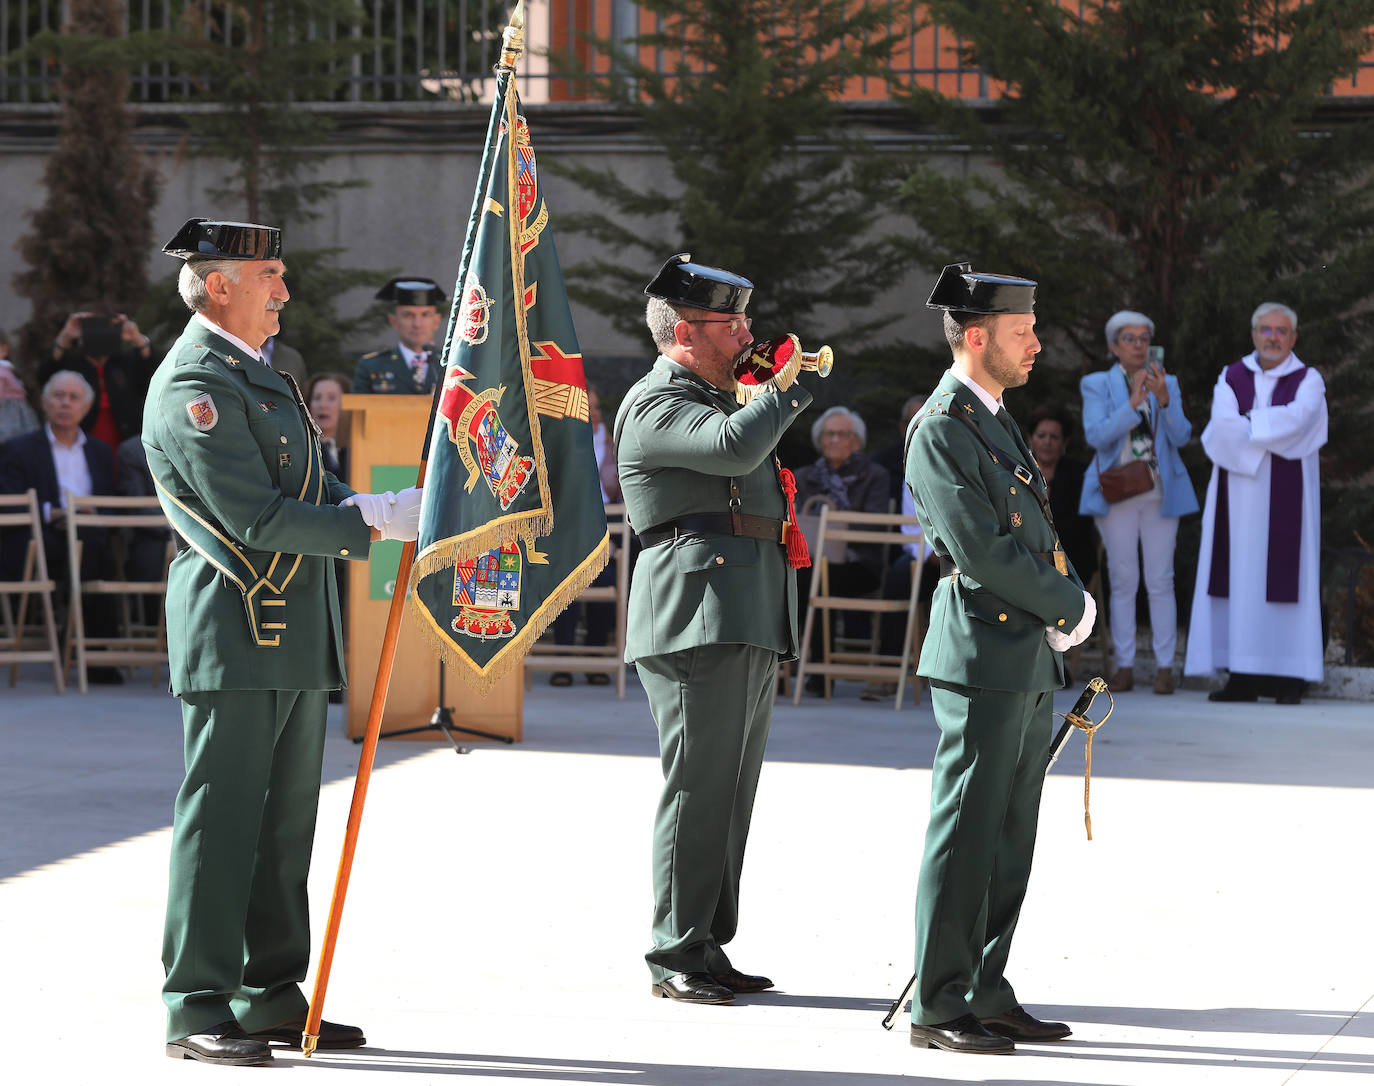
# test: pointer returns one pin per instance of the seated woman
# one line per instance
(324, 394)
(844, 478)
(1048, 433)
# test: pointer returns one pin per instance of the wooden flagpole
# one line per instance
(311, 1035)
(512, 47)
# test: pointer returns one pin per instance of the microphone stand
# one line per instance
(442, 720)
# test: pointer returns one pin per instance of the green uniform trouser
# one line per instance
(984, 807)
(236, 944)
(713, 706)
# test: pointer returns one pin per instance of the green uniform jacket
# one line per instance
(388, 372)
(987, 624)
(679, 441)
(252, 604)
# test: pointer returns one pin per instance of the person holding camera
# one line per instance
(115, 358)
(1136, 487)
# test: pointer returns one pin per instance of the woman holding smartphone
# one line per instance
(1133, 415)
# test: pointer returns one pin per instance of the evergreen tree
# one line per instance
(89, 241)
(765, 181)
(255, 62)
(1179, 157)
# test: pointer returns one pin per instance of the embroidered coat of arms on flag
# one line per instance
(512, 528)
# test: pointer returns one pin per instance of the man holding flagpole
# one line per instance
(713, 608)
(254, 646)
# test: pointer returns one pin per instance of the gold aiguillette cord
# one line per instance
(1088, 728)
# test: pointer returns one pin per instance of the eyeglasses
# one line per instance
(837, 435)
(1133, 340)
(733, 322)
(1277, 333)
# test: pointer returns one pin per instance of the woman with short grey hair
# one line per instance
(1133, 414)
(842, 477)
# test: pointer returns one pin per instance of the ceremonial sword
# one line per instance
(1074, 718)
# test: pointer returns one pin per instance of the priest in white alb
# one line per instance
(1256, 605)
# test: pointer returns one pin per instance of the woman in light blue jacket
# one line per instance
(1133, 411)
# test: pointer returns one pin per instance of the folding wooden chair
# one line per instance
(19, 515)
(845, 527)
(606, 659)
(134, 645)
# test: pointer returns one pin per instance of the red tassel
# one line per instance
(798, 557)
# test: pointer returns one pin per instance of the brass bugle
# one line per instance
(820, 362)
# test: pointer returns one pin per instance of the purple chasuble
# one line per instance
(1285, 501)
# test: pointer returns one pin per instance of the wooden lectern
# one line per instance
(382, 435)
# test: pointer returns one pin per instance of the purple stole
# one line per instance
(1285, 501)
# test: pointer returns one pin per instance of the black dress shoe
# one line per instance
(1289, 699)
(104, 676)
(332, 1034)
(962, 1034)
(224, 1043)
(740, 982)
(692, 988)
(1232, 693)
(1019, 1025)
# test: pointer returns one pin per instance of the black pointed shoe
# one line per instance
(962, 1034)
(1019, 1025)
(332, 1034)
(740, 982)
(692, 988)
(223, 1043)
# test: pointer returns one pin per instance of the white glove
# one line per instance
(377, 509)
(404, 522)
(1061, 641)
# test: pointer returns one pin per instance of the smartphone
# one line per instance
(100, 336)
(1154, 359)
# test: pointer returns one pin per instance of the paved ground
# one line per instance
(1217, 930)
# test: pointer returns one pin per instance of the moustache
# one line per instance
(275, 305)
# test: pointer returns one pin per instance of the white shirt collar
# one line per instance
(1283, 369)
(978, 390)
(212, 326)
(409, 355)
(52, 438)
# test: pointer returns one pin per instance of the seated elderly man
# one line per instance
(54, 460)
(842, 477)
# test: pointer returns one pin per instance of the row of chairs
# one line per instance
(847, 659)
(26, 637)
(29, 605)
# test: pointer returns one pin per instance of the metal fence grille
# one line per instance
(435, 50)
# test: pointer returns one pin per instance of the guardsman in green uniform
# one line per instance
(254, 644)
(713, 608)
(410, 368)
(1006, 607)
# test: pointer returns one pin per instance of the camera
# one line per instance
(101, 336)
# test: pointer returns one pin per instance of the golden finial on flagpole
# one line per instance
(513, 39)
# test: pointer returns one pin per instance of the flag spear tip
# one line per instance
(513, 39)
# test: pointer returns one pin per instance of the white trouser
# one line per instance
(1132, 528)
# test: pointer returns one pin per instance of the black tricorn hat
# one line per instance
(412, 290)
(216, 240)
(962, 289)
(699, 286)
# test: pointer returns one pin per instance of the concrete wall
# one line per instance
(421, 164)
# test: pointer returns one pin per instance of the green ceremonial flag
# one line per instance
(512, 527)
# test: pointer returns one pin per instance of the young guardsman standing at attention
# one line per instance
(1007, 605)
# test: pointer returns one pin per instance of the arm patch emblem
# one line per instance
(203, 412)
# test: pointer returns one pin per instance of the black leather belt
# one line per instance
(714, 524)
(1053, 558)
